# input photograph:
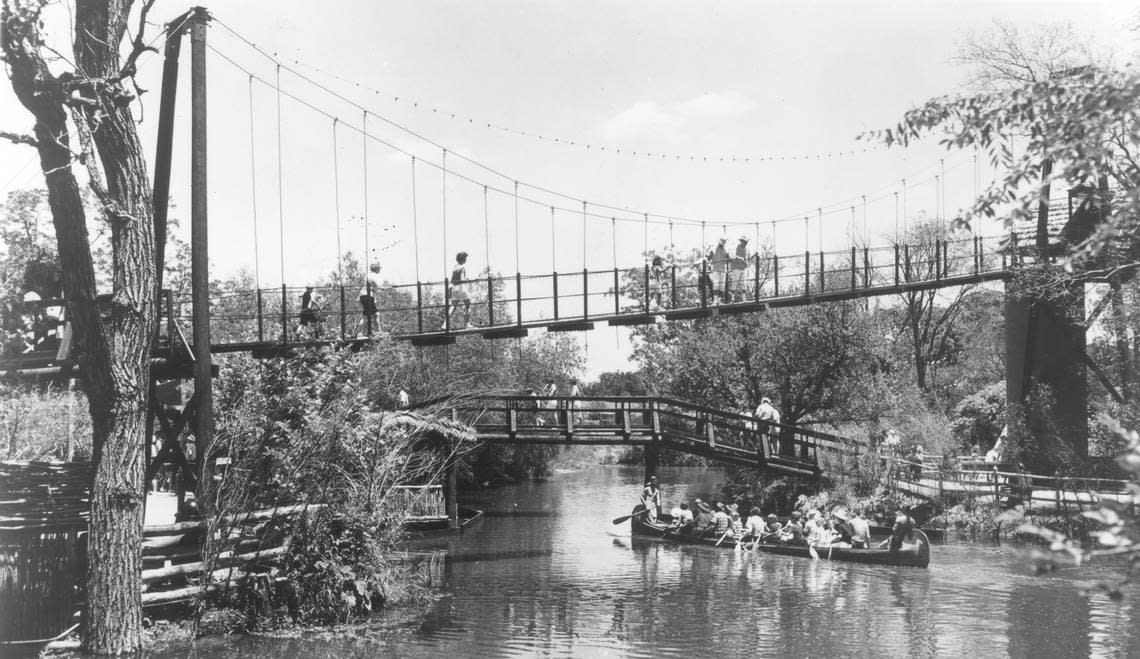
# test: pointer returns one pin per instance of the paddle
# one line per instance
(813, 553)
(626, 518)
(722, 538)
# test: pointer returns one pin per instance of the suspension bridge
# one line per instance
(269, 321)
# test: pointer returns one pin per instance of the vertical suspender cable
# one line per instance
(773, 237)
(937, 201)
(807, 241)
(445, 260)
(896, 217)
(486, 231)
(672, 255)
(942, 172)
(904, 220)
(415, 221)
(704, 244)
(280, 182)
(583, 236)
(517, 229)
(336, 205)
(613, 232)
(367, 255)
(820, 215)
(645, 238)
(253, 185)
(853, 229)
(553, 251)
(866, 236)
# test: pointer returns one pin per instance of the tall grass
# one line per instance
(44, 424)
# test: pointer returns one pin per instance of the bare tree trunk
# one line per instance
(113, 351)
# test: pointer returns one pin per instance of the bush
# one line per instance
(36, 424)
(979, 418)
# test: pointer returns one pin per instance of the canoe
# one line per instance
(916, 554)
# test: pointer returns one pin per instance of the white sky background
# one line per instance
(744, 80)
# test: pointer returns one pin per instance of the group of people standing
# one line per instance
(721, 277)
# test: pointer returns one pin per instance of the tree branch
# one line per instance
(19, 138)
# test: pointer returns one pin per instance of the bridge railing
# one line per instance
(1002, 485)
(569, 300)
(676, 424)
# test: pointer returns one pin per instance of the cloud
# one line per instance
(649, 119)
(717, 106)
(643, 119)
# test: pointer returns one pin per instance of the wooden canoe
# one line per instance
(916, 554)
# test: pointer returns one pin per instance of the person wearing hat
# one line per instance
(651, 498)
(740, 267)
(841, 528)
(702, 518)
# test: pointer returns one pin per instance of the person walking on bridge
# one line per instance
(459, 293)
(369, 314)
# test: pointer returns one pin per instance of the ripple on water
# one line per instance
(560, 580)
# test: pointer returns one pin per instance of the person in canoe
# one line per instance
(702, 519)
(681, 515)
(793, 532)
(860, 530)
(651, 499)
(842, 530)
(902, 531)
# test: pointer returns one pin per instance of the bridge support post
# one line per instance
(199, 256)
(1046, 386)
(651, 453)
(451, 497)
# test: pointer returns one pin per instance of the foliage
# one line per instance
(36, 424)
(978, 419)
(1086, 123)
(929, 318)
(816, 360)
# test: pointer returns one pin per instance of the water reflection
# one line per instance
(549, 575)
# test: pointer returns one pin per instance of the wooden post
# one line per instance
(807, 274)
(776, 275)
(490, 301)
(646, 288)
(756, 277)
(518, 298)
(585, 294)
(854, 267)
(260, 318)
(556, 296)
(650, 452)
(673, 285)
(617, 293)
(419, 305)
(896, 264)
(285, 315)
(822, 273)
(344, 315)
(199, 248)
(452, 496)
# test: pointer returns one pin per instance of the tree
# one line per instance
(113, 344)
(1004, 57)
(816, 361)
(929, 317)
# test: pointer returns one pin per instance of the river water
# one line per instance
(547, 574)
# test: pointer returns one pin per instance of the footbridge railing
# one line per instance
(644, 421)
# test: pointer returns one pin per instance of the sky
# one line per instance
(751, 111)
